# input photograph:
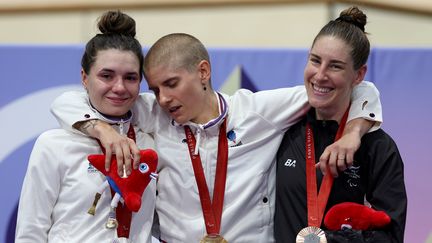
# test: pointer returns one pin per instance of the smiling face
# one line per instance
(330, 76)
(180, 91)
(113, 82)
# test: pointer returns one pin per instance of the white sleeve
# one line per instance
(366, 104)
(73, 106)
(38, 195)
(280, 107)
(286, 106)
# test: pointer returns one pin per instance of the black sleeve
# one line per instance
(386, 186)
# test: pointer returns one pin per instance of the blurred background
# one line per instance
(232, 23)
(257, 44)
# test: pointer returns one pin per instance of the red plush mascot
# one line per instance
(127, 189)
(355, 216)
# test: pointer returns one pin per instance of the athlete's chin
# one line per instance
(318, 103)
(116, 111)
(177, 116)
(180, 120)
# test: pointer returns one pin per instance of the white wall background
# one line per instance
(279, 24)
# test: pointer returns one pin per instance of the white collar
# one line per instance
(122, 123)
(223, 111)
(212, 125)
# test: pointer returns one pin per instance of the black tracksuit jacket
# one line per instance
(377, 176)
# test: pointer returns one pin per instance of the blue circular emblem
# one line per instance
(143, 168)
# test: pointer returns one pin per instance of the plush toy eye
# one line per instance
(143, 168)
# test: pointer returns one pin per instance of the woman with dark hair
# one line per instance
(60, 183)
(337, 63)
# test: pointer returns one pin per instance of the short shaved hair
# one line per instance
(178, 49)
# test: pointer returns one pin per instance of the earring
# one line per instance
(204, 88)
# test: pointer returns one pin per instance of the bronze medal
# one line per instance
(311, 234)
(213, 239)
(316, 202)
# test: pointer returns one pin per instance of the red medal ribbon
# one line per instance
(123, 214)
(212, 211)
(316, 203)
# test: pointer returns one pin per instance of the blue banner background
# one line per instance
(32, 76)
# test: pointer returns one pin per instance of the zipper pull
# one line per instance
(122, 132)
(121, 127)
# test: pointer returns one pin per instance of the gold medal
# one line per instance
(213, 239)
(311, 234)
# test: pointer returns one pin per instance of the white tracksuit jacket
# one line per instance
(258, 121)
(59, 188)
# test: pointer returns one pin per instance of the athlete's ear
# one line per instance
(204, 71)
(84, 79)
(361, 73)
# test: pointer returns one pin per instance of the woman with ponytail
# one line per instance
(336, 64)
(60, 184)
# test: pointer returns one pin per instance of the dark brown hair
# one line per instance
(117, 32)
(350, 27)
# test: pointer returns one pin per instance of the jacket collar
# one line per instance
(121, 124)
(223, 111)
(111, 119)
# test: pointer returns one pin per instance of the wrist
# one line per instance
(99, 128)
(93, 128)
(358, 127)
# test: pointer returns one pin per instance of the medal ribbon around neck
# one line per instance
(316, 203)
(123, 214)
(212, 211)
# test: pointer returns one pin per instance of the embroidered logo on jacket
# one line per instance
(353, 174)
(231, 136)
(290, 163)
(91, 168)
